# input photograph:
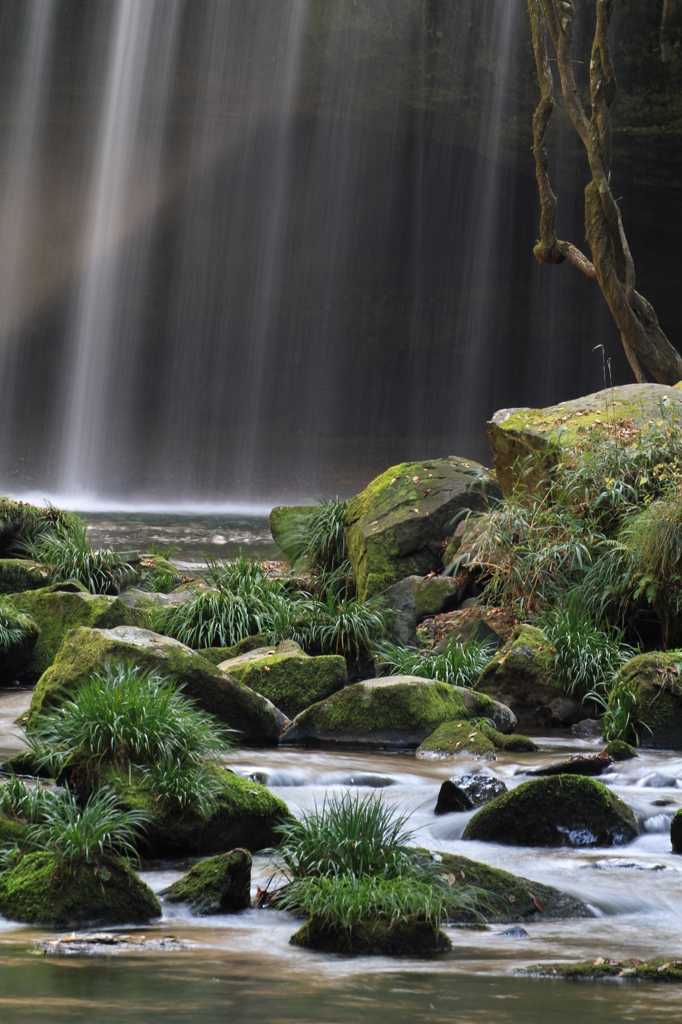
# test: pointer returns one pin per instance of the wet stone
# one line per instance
(579, 764)
(464, 792)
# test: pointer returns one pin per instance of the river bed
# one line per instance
(241, 967)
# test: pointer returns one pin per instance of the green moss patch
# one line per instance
(291, 681)
(507, 898)
(565, 810)
(618, 750)
(515, 743)
(375, 936)
(457, 739)
(218, 885)
(522, 676)
(20, 574)
(245, 816)
(659, 970)
(399, 711)
(38, 891)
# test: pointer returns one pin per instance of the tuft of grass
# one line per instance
(346, 626)
(65, 551)
(18, 800)
(619, 717)
(125, 714)
(183, 785)
(21, 524)
(589, 653)
(76, 834)
(217, 618)
(15, 626)
(460, 664)
(346, 836)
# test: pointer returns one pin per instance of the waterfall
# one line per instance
(19, 158)
(255, 251)
(107, 299)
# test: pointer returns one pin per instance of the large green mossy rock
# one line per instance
(507, 898)
(19, 574)
(395, 527)
(245, 815)
(57, 611)
(655, 682)
(456, 739)
(517, 434)
(399, 711)
(287, 523)
(218, 885)
(287, 676)
(566, 810)
(39, 891)
(86, 651)
(375, 936)
(522, 676)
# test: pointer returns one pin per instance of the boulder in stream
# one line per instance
(464, 792)
(522, 676)
(40, 890)
(217, 885)
(397, 711)
(654, 680)
(287, 676)
(395, 527)
(85, 651)
(457, 739)
(565, 810)
(579, 764)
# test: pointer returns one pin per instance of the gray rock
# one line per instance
(464, 792)
(433, 595)
(399, 608)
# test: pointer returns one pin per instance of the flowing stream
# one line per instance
(244, 963)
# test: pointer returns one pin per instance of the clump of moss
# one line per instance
(454, 739)
(619, 750)
(515, 743)
(218, 885)
(659, 970)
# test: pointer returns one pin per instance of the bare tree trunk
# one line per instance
(647, 348)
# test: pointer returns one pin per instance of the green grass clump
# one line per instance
(185, 784)
(460, 664)
(18, 800)
(22, 524)
(15, 626)
(125, 714)
(65, 551)
(76, 834)
(588, 653)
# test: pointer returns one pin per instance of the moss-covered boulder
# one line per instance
(619, 750)
(85, 651)
(287, 676)
(287, 523)
(245, 815)
(567, 810)
(400, 711)
(22, 523)
(376, 936)
(58, 610)
(395, 527)
(218, 885)
(16, 657)
(655, 681)
(433, 595)
(676, 832)
(456, 739)
(507, 898)
(218, 654)
(40, 891)
(19, 574)
(516, 434)
(522, 676)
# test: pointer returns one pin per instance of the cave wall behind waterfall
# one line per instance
(251, 250)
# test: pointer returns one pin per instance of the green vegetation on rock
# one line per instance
(65, 551)
(658, 970)
(22, 524)
(461, 663)
(18, 637)
(565, 810)
(523, 676)
(217, 885)
(649, 692)
(19, 574)
(457, 739)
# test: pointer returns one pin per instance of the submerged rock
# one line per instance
(522, 676)
(657, 716)
(579, 764)
(287, 676)
(218, 885)
(85, 651)
(567, 810)
(395, 527)
(464, 792)
(660, 970)
(516, 434)
(375, 936)
(38, 890)
(456, 739)
(398, 711)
